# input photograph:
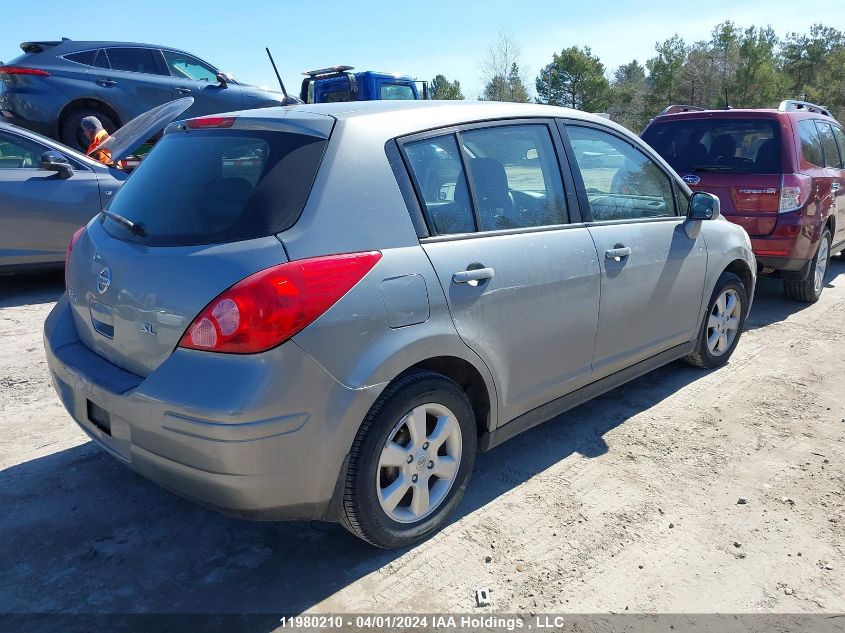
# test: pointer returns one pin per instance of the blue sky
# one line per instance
(421, 38)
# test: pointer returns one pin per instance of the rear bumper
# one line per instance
(262, 436)
(39, 127)
(790, 247)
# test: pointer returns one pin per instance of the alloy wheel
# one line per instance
(419, 463)
(821, 266)
(723, 322)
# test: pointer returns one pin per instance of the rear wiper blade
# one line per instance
(135, 229)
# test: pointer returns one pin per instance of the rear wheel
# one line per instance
(810, 289)
(71, 133)
(722, 325)
(410, 462)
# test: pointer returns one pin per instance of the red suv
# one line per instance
(780, 174)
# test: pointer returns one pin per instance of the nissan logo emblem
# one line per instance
(104, 280)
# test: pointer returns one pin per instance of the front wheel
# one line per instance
(722, 325)
(410, 461)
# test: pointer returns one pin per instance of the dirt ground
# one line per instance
(629, 502)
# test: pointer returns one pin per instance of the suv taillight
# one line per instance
(794, 191)
(73, 240)
(20, 70)
(270, 306)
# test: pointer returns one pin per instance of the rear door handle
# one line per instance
(478, 274)
(106, 82)
(617, 252)
(183, 90)
(835, 186)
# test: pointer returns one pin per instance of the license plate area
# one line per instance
(99, 417)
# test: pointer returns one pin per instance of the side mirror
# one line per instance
(224, 79)
(54, 161)
(703, 206)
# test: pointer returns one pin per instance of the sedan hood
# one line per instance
(132, 135)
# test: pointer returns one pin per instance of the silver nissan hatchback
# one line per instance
(324, 311)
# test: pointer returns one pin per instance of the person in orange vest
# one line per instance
(96, 135)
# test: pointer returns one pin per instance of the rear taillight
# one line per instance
(73, 240)
(20, 70)
(205, 122)
(794, 191)
(270, 306)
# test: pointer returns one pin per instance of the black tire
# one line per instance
(702, 356)
(71, 135)
(362, 513)
(805, 290)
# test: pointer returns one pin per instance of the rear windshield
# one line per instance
(209, 187)
(748, 146)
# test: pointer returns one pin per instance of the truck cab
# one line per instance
(339, 83)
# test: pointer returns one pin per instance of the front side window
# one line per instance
(441, 184)
(19, 153)
(402, 92)
(136, 60)
(829, 149)
(621, 182)
(184, 66)
(811, 145)
(515, 177)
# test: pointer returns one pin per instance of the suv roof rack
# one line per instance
(332, 70)
(674, 109)
(793, 105)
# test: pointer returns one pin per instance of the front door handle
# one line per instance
(183, 90)
(835, 186)
(618, 252)
(106, 83)
(477, 274)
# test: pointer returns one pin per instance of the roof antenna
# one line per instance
(287, 100)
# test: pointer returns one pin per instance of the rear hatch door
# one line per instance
(736, 156)
(206, 205)
(750, 200)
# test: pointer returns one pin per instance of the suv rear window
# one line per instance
(748, 146)
(216, 186)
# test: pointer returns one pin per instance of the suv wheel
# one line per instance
(722, 325)
(410, 462)
(810, 289)
(71, 134)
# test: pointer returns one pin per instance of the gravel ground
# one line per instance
(631, 501)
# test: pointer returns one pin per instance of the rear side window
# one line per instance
(216, 186)
(441, 184)
(396, 91)
(515, 177)
(621, 182)
(811, 145)
(102, 59)
(748, 146)
(839, 135)
(829, 149)
(136, 60)
(84, 57)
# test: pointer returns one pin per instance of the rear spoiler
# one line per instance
(40, 47)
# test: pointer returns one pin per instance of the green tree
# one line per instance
(806, 57)
(442, 88)
(664, 71)
(627, 95)
(508, 87)
(758, 81)
(575, 79)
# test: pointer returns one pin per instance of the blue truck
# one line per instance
(339, 83)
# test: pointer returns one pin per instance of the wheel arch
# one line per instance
(92, 103)
(469, 378)
(741, 269)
